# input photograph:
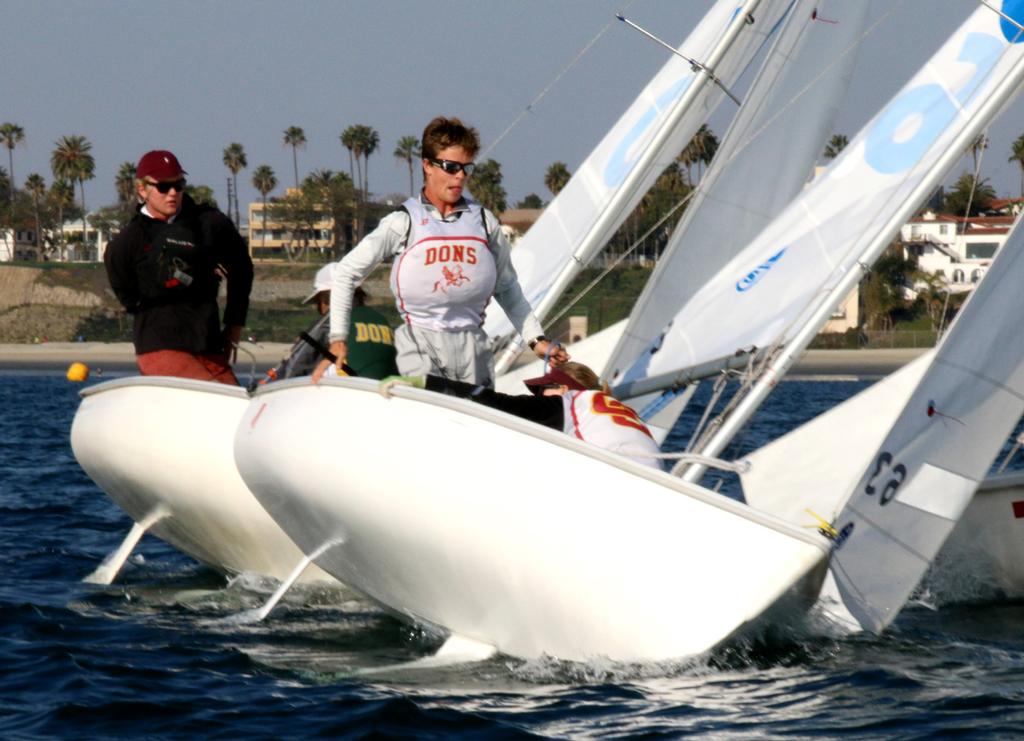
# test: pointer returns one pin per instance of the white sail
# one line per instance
(764, 160)
(805, 474)
(646, 139)
(783, 286)
(922, 477)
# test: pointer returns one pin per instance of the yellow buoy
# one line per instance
(78, 372)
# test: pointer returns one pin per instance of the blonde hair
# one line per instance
(581, 374)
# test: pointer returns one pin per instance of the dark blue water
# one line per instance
(156, 654)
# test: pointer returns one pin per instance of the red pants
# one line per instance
(186, 365)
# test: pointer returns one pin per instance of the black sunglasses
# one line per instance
(165, 187)
(452, 167)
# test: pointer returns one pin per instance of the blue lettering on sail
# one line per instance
(747, 282)
(1015, 10)
(618, 165)
(983, 52)
(934, 111)
(932, 108)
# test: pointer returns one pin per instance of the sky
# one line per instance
(194, 76)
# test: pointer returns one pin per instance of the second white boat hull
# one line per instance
(161, 449)
(985, 551)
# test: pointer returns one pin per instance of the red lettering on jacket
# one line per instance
(450, 253)
(620, 413)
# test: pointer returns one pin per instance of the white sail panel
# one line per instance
(776, 286)
(645, 140)
(764, 160)
(919, 481)
(809, 469)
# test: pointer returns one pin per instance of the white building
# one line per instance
(957, 249)
(18, 244)
(95, 248)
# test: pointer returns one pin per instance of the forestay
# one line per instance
(784, 285)
(765, 158)
(922, 477)
(646, 139)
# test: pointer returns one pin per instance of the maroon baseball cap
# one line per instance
(553, 377)
(159, 165)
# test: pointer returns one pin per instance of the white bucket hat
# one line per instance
(323, 281)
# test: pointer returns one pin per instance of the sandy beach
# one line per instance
(115, 356)
(120, 356)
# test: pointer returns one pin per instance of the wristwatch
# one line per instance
(539, 338)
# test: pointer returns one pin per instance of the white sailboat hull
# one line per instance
(511, 534)
(986, 548)
(164, 446)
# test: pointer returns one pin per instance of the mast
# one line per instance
(818, 314)
(598, 233)
(762, 164)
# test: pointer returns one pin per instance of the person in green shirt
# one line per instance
(371, 351)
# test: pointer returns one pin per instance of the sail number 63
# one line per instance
(887, 476)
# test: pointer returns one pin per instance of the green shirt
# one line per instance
(371, 345)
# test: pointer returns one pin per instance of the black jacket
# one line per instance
(168, 276)
(545, 410)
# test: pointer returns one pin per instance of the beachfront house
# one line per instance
(956, 249)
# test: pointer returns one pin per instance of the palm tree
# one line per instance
(361, 141)
(36, 187)
(487, 188)
(11, 135)
(408, 149)
(124, 183)
(979, 145)
(351, 141)
(234, 160)
(71, 161)
(62, 195)
(1018, 157)
(969, 196)
(264, 181)
(835, 145)
(699, 151)
(556, 177)
(295, 137)
(370, 141)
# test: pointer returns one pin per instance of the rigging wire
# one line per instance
(544, 91)
(750, 140)
(553, 319)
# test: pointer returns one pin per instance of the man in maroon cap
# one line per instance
(166, 266)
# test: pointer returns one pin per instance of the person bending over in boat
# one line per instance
(450, 257)
(166, 266)
(569, 398)
(371, 348)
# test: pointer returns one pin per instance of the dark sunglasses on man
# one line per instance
(452, 167)
(166, 186)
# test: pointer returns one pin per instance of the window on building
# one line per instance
(981, 250)
(958, 276)
(915, 231)
(943, 228)
(975, 275)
